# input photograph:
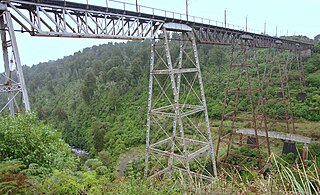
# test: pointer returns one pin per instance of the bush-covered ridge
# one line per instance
(98, 97)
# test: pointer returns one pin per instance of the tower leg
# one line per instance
(149, 109)
(203, 98)
(14, 79)
(305, 152)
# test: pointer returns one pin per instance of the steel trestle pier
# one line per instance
(179, 136)
(175, 141)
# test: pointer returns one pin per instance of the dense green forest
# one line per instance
(96, 99)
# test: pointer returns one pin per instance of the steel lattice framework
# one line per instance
(284, 70)
(176, 139)
(68, 19)
(14, 86)
(276, 87)
(265, 93)
(243, 88)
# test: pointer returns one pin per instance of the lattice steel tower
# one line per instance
(178, 129)
(284, 69)
(12, 88)
(276, 87)
(243, 111)
(296, 72)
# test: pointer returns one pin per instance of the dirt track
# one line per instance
(124, 163)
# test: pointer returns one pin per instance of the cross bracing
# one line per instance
(69, 19)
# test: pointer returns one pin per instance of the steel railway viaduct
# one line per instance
(176, 141)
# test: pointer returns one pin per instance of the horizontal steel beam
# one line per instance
(159, 173)
(192, 141)
(161, 142)
(166, 153)
(68, 19)
(165, 110)
(199, 152)
(276, 135)
(209, 178)
(10, 88)
(176, 71)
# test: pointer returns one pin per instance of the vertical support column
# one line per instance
(178, 137)
(176, 100)
(300, 68)
(12, 87)
(253, 104)
(261, 107)
(240, 139)
(305, 152)
(18, 62)
(181, 130)
(277, 91)
(221, 126)
(149, 108)
(284, 64)
(6, 63)
(296, 71)
(195, 50)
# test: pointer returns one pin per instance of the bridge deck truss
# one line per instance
(68, 19)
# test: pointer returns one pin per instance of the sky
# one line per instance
(292, 17)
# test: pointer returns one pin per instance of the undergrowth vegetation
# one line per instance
(63, 174)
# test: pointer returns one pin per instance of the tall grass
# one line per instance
(280, 178)
(298, 178)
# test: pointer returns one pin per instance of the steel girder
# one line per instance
(222, 36)
(57, 20)
(69, 19)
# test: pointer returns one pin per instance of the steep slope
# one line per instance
(98, 97)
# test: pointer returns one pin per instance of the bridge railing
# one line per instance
(168, 14)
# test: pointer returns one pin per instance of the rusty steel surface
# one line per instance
(243, 85)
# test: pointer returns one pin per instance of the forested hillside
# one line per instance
(95, 94)
(98, 97)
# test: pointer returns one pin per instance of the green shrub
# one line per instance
(24, 138)
(92, 164)
(105, 157)
(102, 170)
